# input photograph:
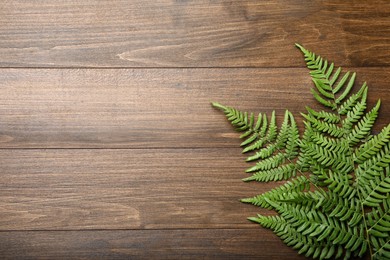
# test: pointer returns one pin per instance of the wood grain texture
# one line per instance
(124, 189)
(109, 147)
(150, 108)
(204, 33)
(145, 244)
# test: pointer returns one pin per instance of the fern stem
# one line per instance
(299, 170)
(365, 226)
(379, 249)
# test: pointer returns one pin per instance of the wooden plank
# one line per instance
(150, 108)
(204, 33)
(69, 189)
(255, 243)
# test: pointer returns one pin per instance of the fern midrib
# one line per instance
(374, 191)
(388, 242)
(299, 170)
(376, 223)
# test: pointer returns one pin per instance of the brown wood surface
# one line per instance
(150, 108)
(145, 244)
(109, 147)
(200, 33)
(124, 189)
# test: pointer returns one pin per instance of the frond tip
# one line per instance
(334, 202)
(217, 105)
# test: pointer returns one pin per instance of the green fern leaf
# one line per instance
(323, 101)
(330, 144)
(349, 104)
(269, 163)
(279, 143)
(379, 229)
(292, 143)
(373, 191)
(304, 244)
(282, 172)
(373, 167)
(341, 82)
(373, 146)
(313, 223)
(339, 184)
(346, 209)
(347, 89)
(326, 116)
(325, 127)
(253, 129)
(299, 184)
(335, 199)
(260, 137)
(354, 116)
(363, 128)
(237, 118)
(307, 198)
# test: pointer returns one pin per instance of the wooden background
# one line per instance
(109, 147)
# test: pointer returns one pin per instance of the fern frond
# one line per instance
(327, 157)
(272, 129)
(373, 146)
(267, 133)
(258, 138)
(363, 128)
(323, 88)
(330, 144)
(372, 167)
(263, 137)
(339, 204)
(354, 115)
(304, 161)
(346, 209)
(305, 244)
(326, 116)
(341, 83)
(282, 172)
(306, 198)
(276, 223)
(324, 228)
(254, 127)
(379, 229)
(340, 184)
(292, 143)
(256, 135)
(382, 248)
(298, 184)
(347, 90)
(279, 143)
(325, 127)
(324, 79)
(323, 101)
(373, 191)
(318, 67)
(269, 163)
(239, 119)
(349, 104)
